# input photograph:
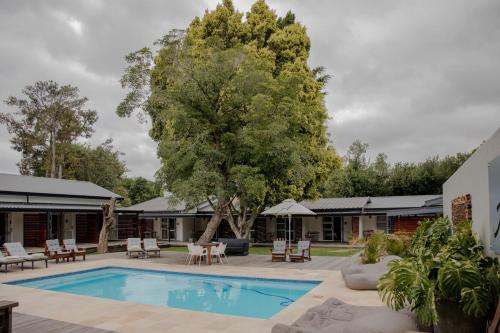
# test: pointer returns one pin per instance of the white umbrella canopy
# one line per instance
(288, 208)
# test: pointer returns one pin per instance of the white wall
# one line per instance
(69, 225)
(15, 227)
(472, 178)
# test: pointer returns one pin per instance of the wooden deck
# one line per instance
(24, 323)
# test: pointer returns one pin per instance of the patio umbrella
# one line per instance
(288, 208)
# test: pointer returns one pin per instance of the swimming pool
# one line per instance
(229, 295)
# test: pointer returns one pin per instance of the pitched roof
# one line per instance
(160, 204)
(52, 186)
(405, 201)
(335, 203)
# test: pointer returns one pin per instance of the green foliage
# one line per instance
(100, 165)
(236, 110)
(380, 244)
(140, 189)
(361, 177)
(442, 267)
(50, 118)
(374, 248)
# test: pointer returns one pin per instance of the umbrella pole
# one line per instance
(289, 231)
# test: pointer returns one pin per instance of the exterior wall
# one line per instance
(347, 225)
(69, 225)
(472, 178)
(16, 226)
(157, 227)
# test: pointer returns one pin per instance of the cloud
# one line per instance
(411, 78)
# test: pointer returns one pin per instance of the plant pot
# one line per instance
(451, 319)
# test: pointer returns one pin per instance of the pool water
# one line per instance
(238, 296)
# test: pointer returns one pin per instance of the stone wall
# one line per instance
(461, 209)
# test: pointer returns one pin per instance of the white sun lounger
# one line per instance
(17, 250)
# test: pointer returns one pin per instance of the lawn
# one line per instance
(263, 250)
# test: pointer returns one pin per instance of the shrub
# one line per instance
(374, 248)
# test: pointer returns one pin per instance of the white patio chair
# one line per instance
(134, 246)
(53, 250)
(150, 245)
(16, 249)
(278, 252)
(10, 260)
(219, 251)
(197, 252)
(70, 245)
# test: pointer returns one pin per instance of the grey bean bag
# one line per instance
(335, 316)
(365, 277)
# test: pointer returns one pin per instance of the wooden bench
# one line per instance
(6, 315)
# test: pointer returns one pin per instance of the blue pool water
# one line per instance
(238, 296)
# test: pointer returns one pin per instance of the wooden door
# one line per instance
(355, 227)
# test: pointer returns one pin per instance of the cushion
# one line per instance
(38, 256)
(335, 316)
(365, 277)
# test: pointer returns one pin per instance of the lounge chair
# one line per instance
(303, 252)
(10, 260)
(70, 245)
(219, 251)
(134, 246)
(197, 252)
(17, 250)
(150, 245)
(278, 252)
(53, 250)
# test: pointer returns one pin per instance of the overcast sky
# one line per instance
(411, 78)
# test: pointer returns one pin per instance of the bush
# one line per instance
(374, 248)
(379, 244)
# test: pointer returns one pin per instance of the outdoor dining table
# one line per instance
(209, 246)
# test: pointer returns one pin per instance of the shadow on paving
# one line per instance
(179, 258)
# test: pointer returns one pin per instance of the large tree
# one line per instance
(139, 189)
(49, 119)
(238, 114)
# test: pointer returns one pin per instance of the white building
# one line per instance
(473, 192)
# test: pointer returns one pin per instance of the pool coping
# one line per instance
(17, 282)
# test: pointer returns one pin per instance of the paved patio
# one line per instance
(96, 313)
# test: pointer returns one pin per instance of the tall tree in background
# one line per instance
(238, 114)
(49, 119)
(361, 177)
(140, 189)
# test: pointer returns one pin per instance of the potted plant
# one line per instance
(446, 279)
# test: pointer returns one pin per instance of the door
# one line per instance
(337, 228)
(35, 229)
(54, 226)
(282, 228)
(355, 227)
(259, 227)
(168, 228)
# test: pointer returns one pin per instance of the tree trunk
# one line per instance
(219, 212)
(52, 155)
(243, 225)
(108, 211)
(60, 167)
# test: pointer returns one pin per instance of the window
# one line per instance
(328, 228)
(282, 227)
(382, 223)
(332, 228)
(168, 228)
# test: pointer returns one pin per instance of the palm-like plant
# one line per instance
(442, 267)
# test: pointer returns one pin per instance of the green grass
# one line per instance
(264, 250)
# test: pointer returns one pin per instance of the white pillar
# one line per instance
(360, 227)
